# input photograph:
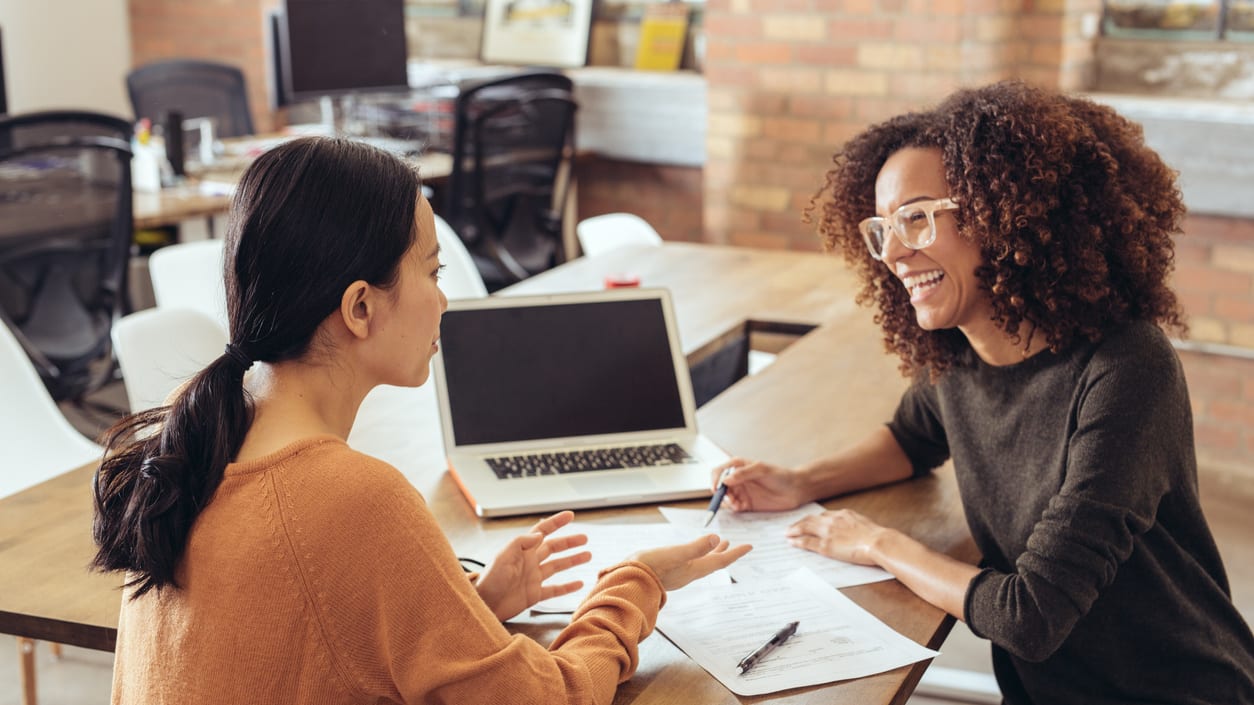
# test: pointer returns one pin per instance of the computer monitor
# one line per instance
(330, 47)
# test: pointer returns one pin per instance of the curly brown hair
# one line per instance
(1074, 216)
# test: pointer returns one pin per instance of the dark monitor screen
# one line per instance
(557, 371)
(337, 46)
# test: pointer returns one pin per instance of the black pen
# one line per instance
(717, 500)
(780, 637)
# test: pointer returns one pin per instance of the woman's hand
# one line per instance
(515, 579)
(679, 565)
(754, 486)
(842, 534)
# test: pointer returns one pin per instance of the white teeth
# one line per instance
(916, 282)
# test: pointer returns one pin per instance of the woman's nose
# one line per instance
(894, 249)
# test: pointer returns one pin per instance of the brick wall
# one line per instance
(229, 31)
(789, 80)
(1215, 281)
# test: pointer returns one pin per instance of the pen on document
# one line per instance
(717, 500)
(759, 653)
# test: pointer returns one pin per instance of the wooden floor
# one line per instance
(82, 677)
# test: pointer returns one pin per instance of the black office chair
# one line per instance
(65, 236)
(513, 159)
(41, 127)
(194, 89)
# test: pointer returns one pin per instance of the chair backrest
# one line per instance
(195, 89)
(602, 233)
(160, 348)
(65, 236)
(460, 278)
(38, 442)
(512, 159)
(190, 275)
(44, 126)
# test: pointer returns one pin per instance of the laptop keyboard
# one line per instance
(587, 460)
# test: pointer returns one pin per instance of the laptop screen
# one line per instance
(534, 372)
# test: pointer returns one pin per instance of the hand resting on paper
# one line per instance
(842, 534)
(515, 580)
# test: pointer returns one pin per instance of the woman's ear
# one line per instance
(357, 307)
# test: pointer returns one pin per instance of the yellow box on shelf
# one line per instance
(662, 33)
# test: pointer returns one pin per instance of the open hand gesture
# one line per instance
(515, 580)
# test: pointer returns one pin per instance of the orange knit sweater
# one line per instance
(318, 575)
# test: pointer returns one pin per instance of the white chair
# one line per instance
(38, 444)
(601, 233)
(189, 275)
(461, 278)
(160, 348)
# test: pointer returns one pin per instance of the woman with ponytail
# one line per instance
(265, 560)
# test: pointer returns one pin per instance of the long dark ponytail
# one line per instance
(308, 218)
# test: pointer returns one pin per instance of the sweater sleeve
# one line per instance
(918, 429)
(1132, 434)
(402, 622)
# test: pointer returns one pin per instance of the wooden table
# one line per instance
(824, 391)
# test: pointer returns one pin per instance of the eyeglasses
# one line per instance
(914, 224)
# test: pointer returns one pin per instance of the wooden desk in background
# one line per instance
(173, 205)
(824, 391)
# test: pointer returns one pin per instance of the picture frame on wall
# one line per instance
(536, 32)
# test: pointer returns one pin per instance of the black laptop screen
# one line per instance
(553, 371)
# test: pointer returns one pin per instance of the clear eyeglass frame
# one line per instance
(907, 223)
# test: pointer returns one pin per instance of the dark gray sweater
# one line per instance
(1100, 580)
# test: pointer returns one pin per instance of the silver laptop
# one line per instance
(569, 401)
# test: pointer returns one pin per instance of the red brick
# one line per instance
(1041, 27)
(760, 6)
(730, 75)
(719, 52)
(1235, 308)
(827, 54)
(940, 30)
(1216, 229)
(859, 29)
(764, 53)
(947, 7)
(1195, 303)
(1198, 278)
(824, 107)
(1216, 437)
(791, 129)
(1227, 411)
(1192, 252)
(717, 25)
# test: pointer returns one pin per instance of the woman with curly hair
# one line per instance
(1017, 244)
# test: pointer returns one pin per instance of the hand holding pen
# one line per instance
(757, 486)
(717, 500)
(773, 643)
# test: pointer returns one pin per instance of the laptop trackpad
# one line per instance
(611, 485)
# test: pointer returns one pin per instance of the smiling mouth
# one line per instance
(916, 284)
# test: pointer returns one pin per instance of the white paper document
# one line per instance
(772, 555)
(718, 625)
(610, 544)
